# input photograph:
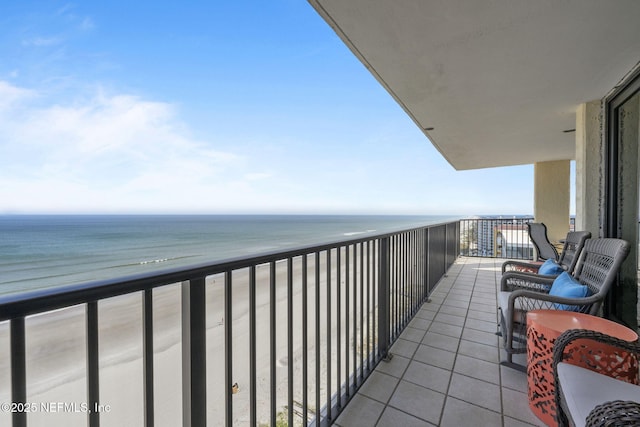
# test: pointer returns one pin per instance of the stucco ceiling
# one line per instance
(498, 80)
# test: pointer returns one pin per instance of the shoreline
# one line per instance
(40, 252)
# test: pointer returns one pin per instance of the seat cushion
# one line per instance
(583, 390)
(550, 267)
(503, 303)
(567, 287)
(518, 315)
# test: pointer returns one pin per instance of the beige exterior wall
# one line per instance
(589, 176)
(551, 197)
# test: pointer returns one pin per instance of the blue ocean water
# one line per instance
(41, 251)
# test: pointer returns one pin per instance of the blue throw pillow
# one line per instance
(550, 267)
(566, 286)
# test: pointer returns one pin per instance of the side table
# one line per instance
(543, 328)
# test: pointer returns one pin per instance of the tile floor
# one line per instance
(445, 369)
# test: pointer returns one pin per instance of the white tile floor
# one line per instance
(445, 369)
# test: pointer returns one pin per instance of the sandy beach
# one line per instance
(56, 356)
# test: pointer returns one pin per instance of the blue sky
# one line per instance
(212, 107)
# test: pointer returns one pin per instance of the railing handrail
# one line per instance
(47, 299)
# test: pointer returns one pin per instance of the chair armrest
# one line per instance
(530, 299)
(614, 413)
(521, 266)
(512, 281)
(536, 300)
(569, 336)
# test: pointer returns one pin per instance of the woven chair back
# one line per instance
(598, 266)
(538, 235)
(573, 245)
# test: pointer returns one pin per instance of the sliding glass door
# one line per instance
(622, 124)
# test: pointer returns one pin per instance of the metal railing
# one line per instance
(496, 238)
(331, 313)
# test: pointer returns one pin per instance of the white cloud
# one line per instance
(10, 94)
(42, 41)
(67, 12)
(258, 176)
(87, 24)
(106, 153)
(64, 9)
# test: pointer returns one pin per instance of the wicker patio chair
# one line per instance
(573, 244)
(538, 236)
(519, 293)
(586, 397)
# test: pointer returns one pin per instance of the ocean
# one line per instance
(43, 251)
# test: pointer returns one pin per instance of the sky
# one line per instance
(213, 107)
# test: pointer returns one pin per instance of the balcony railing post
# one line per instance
(147, 374)
(93, 365)
(194, 386)
(457, 239)
(228, 348)
(18, 370)
(446, 246)
(425, 260)
(384, 298)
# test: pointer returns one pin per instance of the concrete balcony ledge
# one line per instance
(445, 369)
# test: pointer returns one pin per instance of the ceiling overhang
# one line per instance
(495, 82)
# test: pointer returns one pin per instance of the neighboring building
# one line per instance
(503, 238)
(512, 241)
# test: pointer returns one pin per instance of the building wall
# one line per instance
(589, 179)
(551, 197)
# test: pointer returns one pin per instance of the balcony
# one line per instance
(445, 368)
(369, 330)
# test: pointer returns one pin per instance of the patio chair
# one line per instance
(519, 293)
(538, 235)
(573, 244)
(587, 398)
